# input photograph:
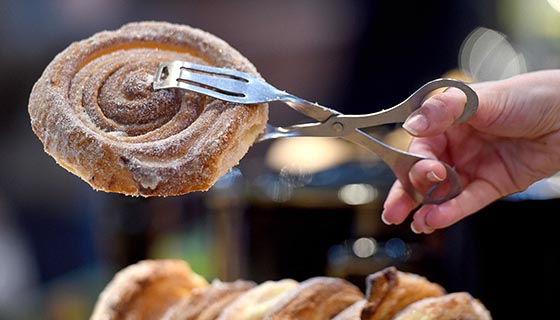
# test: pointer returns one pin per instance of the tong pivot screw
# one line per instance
(338, 127)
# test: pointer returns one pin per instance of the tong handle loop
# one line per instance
(401, 111)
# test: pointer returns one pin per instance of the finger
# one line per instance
(432, 147)
(476, 196)
(398, 205)
(436, 114)
(434, 180)
(425, 173)
(419, 224)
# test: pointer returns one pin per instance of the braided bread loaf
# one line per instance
(170, 290)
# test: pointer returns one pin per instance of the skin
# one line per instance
(512, 141)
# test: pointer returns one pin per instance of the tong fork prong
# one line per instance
(222, 72)
(220, 83)
(231, 85)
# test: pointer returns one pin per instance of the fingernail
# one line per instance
(429, 231)
(426, 230)
(384, 220)
(414, 229)
(432, 176)
(416, 124)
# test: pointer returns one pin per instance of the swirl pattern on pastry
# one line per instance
(95, 112)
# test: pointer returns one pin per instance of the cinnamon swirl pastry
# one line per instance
(95, 112)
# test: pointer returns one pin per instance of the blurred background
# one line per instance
(294, 208)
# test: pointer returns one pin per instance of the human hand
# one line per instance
(512, 141)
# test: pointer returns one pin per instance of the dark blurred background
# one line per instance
(296, 208)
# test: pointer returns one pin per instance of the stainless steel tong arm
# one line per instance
(239, 87)
(338, 125)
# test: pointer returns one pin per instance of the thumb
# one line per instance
(436, 114)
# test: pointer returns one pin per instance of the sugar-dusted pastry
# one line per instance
(96, 113)
(146, 290)
(453, 306)
(208, 302)
(319, 298)
(390, 290)
(253, 304)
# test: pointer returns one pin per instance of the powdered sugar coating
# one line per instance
(97, 115)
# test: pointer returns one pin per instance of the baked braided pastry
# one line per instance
(391, 294)
(95, 112)
(147, 289)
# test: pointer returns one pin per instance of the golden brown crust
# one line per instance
(390, 290)
(453, 306)
(207, 303)
(353, 312)
(146, 290)
(170, 290)
(316, 299)
(253, 304)
(96, 114)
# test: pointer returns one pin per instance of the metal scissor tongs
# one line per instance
(239, 87)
